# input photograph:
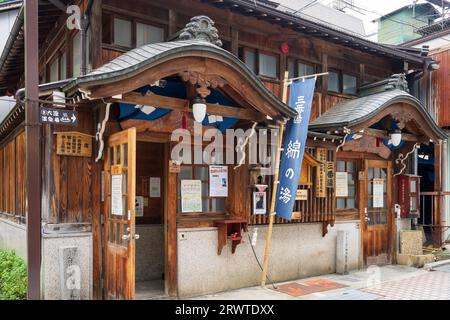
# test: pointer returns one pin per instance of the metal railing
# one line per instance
(433, 206)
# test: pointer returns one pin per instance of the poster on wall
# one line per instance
(191, 195)
(155, 187)
(218, 181)
(378, 193)
(302, 195)
(259, 203)
(139, 206)
(116, 195)
(342, 184)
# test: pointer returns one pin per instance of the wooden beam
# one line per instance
(183, 105)
(385, 135)
(155, 137)
(235, 41)
(96, 34)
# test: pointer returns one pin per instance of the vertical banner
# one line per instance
(294, 142)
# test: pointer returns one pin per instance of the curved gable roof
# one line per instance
(351, 113)
(146, 57)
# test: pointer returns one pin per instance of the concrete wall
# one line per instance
(297, 251)
(51, 273)
(149, 252)
(13, 236)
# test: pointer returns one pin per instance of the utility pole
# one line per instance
(33, 149)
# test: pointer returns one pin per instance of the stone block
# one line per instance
(411, 242)
(342, 252)
(417, 261)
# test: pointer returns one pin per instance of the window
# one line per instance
(305, 69)
(123, 33)
(57, 69)
(263, 64)
(54, 71)
(63, 66)
(349, 84)
(340, 82)
(348, 202)
(334, 84)
(250, 59)
(146, 34)
(300, 69)
(268, 65)
(76, 54)
(200, 172)
(129, 33)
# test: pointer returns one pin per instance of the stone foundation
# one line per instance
(297, 251)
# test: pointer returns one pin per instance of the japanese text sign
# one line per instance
(294, 146)
(58, 116)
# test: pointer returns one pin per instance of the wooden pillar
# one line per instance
(235, 41)
(97, 230)
(33, 150)
(438, 198)
(324, 69)
(362, 74)
(96, 34)
(170, 227)
(173, 28)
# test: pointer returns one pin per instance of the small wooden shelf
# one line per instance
(230, 230)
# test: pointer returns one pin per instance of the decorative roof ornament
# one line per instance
(397, 81)
(201, 28)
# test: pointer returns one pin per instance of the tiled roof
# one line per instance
(356, 110)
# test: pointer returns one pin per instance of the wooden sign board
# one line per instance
(330, 174)
(73, 144)
(321, 177)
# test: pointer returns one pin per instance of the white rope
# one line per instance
(242, 147)
(347, 132)
(401, 159)
(100, 131)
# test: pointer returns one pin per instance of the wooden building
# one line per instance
(134, 85)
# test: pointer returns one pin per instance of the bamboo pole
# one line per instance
(274, 188)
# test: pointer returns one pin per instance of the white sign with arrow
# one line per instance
(58, 116)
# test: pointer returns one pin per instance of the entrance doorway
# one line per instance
(150, 247)
(377, 212)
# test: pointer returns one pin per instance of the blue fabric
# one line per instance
(175, 89)
(294, 142)
(172, 88)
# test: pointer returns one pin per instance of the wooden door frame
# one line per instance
(390, 218)
(129, 289)
(169, 213)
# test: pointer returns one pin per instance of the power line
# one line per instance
(384, 16)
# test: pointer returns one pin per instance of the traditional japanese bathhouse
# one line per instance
(117, 203)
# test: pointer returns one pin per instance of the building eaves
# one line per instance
(10, 5)
(306, 26)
